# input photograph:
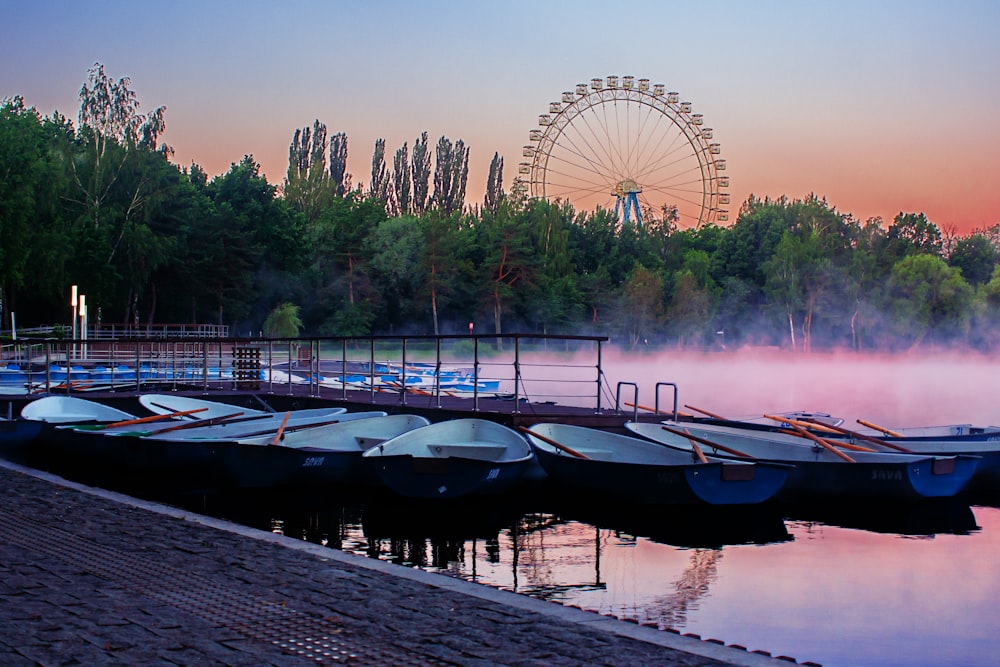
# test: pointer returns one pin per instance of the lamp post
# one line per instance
(83, 325)
(73, 306)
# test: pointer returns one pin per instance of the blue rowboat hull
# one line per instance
(451, 477)
(716, 483)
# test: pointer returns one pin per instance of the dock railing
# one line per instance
(514, 367)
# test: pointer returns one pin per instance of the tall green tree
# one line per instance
(339, 177)
(307, 185)
(420, 174)
(28, 174)
(451, 173)
(912, 233)
(394, 248)
(689, 310)
(928, 301)
(641, 309)
(494, 185)
(509, 260)
(401, 182)
(975, 257)
(379, 187)
(112, 131)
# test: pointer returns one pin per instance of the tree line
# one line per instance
(99, 204)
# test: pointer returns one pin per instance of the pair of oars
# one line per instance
(153, 418)
(572, 452)
(832, 428)
(798, 430)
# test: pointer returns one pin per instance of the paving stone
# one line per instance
(88, 579)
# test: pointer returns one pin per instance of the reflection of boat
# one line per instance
(697, 526)
(452, 458)
(16, 434)
(924, 518)
(823, 470)
(647, 472)
(474, 517)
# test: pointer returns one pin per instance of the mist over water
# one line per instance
(914, 389)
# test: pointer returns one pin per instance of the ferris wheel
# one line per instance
(622, 143)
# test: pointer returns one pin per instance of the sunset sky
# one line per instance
(880, 107)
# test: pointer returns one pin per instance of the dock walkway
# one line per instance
(93, 577)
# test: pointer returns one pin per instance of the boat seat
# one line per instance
(468, 450)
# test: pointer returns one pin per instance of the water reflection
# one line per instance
(836, 584)
(924, 519)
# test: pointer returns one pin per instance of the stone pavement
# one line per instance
(92, 577)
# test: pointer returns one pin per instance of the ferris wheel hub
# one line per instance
(627, 187)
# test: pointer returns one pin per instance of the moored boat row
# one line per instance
(683, 462)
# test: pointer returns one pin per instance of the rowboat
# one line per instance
(822, 470)
(646, 472)
(942, 440)
(72, 410)
(197, 452)
(200, 408)
(453, 458)
(328, 454)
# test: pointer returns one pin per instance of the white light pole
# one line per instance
(73, 306)
(83, 324)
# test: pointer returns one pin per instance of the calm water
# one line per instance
(910, 585)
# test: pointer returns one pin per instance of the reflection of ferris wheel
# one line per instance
(626, 143)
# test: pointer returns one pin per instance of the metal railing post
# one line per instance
(635, 400)
(290, 347)
(656, 405)
(437, 372)
(475, 373)
(371, 369)
(402, 374)
(600, 375)
(517, 373)
(343, 369)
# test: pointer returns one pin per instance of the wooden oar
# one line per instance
(705, 412)
(287, 430)
(804, 424)
(153, 418)
(822, 443)
(198, 423)
(707, 443)
(653, 410)
(281, 429)
(697, 450)
(557, 445)
(876, 441)
(880, 428)
(837, 443)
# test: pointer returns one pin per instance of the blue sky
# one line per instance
(881, 107)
